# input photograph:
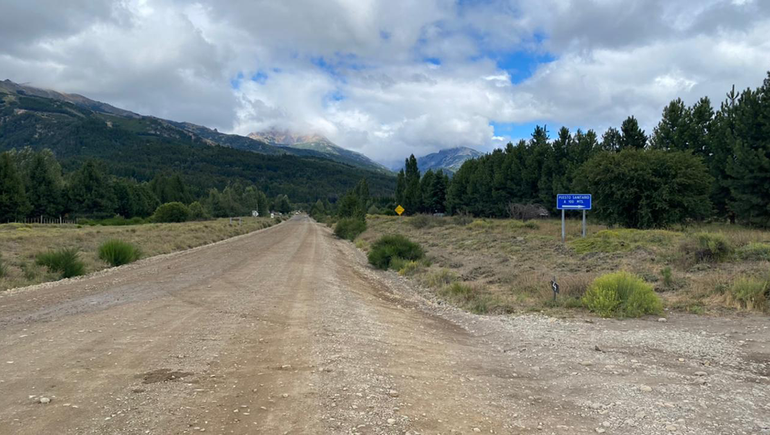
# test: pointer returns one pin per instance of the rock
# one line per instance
(662, 320)
(44, 400)
(671, 428)
(391, 421)
(475, 429)
(286, 367)
(393, 393)
(596, 348)
(586, 363)
(606, 424)
(701, 374)
(600, 430)
(645, 388)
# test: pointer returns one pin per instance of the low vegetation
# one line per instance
(20, 244)
(509, 264)
(349, 228)
(390, 250)
(65, 261)
(171, 212)
(621, 294)
(116, 252)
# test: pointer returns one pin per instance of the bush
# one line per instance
(197, 212)
(668, 279)
(462, 219)
(171, 212)
(707, 247)
(114, 221)
(65, 261)
(751, 293)
(621, 294)
(467, 297)
(3, 267)
(117, 252)
(386, 248)
(440, 278)
(349, 228)
(646, 188)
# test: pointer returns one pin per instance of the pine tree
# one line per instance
(13, 201)
(426, 185)
(262, 205)
(632, 136)
(412, 199)
(721, 142)
(400, 187)
(749, 169)
(612, 140)
(673, 131)
(90, 193)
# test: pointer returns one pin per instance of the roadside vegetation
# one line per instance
(505, 266)
(33, 254)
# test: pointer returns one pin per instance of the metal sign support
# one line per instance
(563, 232)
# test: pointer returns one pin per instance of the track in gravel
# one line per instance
(286, 330)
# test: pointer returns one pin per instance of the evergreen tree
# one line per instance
(701, 123)
(426, 184)
(612, 140)
(44, 185)
(673, 131)
(412, 199)
(90, 193)
(720, 144)
(400, 187)
(262, 205)
(435, 199)
(13, 201)
(749, 169)
(282, 204)
(632, 137)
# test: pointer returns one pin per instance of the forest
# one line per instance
(697, 164)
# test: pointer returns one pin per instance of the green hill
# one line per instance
(140, 147)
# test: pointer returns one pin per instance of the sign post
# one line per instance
(400, 210)
(572, 202)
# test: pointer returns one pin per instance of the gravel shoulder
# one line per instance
(287, 330)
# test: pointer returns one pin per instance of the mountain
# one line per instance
(317, 144)
(76, 129)
(449, 160)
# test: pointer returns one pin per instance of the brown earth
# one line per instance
(287, 330)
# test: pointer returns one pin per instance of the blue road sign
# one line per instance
(573, 202)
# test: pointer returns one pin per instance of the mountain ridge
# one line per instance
(449, 160)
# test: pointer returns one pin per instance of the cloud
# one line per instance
(389, 78)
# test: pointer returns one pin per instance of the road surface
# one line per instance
(288, 331)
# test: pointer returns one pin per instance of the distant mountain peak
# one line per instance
(448, 160)
(315, 143)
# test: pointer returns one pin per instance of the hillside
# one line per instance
(318, 145)
(130, 145)
(449, 160)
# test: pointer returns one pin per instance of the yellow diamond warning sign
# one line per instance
(400, 210)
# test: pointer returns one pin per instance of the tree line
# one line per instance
(698, 163)
(33, 184)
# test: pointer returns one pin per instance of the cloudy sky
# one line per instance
(390, 77)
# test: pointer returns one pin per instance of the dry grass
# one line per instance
(509, 264)
(19, 244)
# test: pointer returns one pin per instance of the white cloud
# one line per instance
(364, 72)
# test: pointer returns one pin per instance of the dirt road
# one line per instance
(287, 331)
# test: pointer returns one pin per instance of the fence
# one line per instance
(42, 220)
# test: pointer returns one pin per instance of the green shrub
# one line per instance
(621, 294)
(751, 293)
(467, 297)
(65, 261)
(171, 212)
(754, 251)
(117, 252)
(197, 212)
(707, 247)
(349, 228)
(409, 268)
(3, 267)
(440, 278)
(386, 248)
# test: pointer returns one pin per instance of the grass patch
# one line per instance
(754, 251)
(440, 278)
(386, 248)
(64, 261)
(621, 294)
(467, 297)
(421, 221)
(349, 228)
(750, 293)
(3, 267)
(623, 240)
(117, 252)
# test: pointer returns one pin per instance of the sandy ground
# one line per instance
(288, 331)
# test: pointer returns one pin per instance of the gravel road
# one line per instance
(288, 331)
